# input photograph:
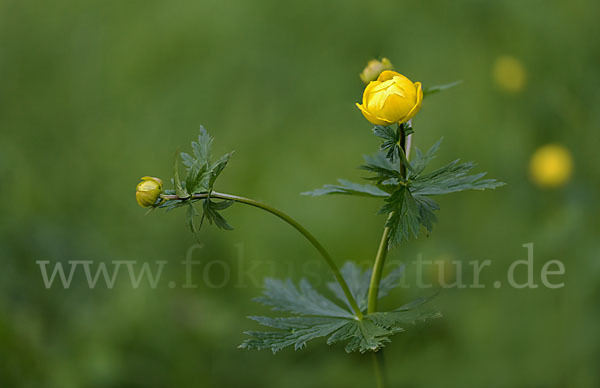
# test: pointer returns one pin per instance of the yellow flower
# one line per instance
(393, 98)
(374, 68)
(509, 74)
(148, 191)
(551, 165)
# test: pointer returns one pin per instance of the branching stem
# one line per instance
(315, 243)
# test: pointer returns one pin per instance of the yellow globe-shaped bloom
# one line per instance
(551, 166)
(391, 99)
(148, 191)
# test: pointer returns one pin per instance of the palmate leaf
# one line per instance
(379, 159)
(392, 140)
(316, 316)
(427, 208)
(294, 331)
(217, 167)
(211, 211)
(382, 174)
(377, 163)
(189, 217)
(408, 199)
(201, 175)
(410, 313)
(404, 219)
(350, 188)
(202, 148)
(411, 207)
(420, 160)
(452, 178)
(359, 281)
(197, 178)
(303, 300)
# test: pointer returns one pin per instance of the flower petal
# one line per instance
(415, 109)
(388, 75)
(395, 108)
(372, 118)
(367, 91)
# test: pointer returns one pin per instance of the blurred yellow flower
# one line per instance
(551, 165)
(148, 191)
(392, 98)
(374, 68)
(509, 74)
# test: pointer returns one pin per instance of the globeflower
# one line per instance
(148, 191)
(391, 99)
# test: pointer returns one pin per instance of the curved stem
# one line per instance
(315, 243)
(378, 266)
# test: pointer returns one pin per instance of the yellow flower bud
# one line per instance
(374, 68)
(392, 98)
(148, 191)
(551, 166)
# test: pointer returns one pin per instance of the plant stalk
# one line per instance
(378, 367)
(315, 243)
(379, 265)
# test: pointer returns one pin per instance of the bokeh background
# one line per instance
(96, 94)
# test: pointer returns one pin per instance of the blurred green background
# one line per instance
(95, 94)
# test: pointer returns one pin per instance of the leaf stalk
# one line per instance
(296, 225)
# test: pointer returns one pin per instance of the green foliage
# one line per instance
(404, 214)
(317, 316)
(99, 86)
(359, 281)
(451, 178)
(347, 187)
(407, 192)
(201, 175)
(392, 140)
(211, 212)
(421, 160)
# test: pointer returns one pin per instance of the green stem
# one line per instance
(378, 269)
(295, 225)
(378, 367)
(379, 264)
